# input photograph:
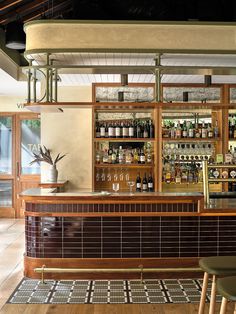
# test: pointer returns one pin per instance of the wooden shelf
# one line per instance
(135, 166)
(221, 180)
(221, 166)
(121, 139)
(215, 139)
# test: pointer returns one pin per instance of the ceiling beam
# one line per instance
(63, 5)
(21, 11)
(8, 3)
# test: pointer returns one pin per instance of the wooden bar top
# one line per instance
(51, 194)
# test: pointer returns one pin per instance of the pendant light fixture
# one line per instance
(15, 35)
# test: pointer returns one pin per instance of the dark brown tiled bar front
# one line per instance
(92, 230)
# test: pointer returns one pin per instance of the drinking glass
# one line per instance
(130, 185)
(121, 175)
(97, 176)
(127, 175)
(108, 175)
(103, 175)
(115, 187)
(115, 176)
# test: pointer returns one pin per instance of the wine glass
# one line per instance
(115, 187)
(130, 185)
(103, 175)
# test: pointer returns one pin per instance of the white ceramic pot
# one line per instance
(52, 174)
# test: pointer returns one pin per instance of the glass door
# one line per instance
(28, 142)
(7, 171)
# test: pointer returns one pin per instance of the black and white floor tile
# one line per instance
(108, 291)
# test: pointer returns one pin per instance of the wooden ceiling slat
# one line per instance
(63, 5)
(8, 3)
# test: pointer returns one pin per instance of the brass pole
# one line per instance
(51, 81)
(34, 85)
(205, 182)
(55, 83)
(158, 78)
(29, 84)
(47, 79)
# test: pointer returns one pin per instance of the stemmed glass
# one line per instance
(130, 185)
(115, 187)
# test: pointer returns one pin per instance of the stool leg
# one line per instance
(223, 306)
(213, 296)
(203, 295)
(235, 308)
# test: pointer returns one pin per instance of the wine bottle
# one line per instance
(139, 133)
(144, 183)
(97, 130)
(117, 130)
(142, 157)
(151, 129)
(138, 183)
(150, 183)
(216, 130)
(131, 130)
(125, 130)
(145, 131)
(110, 130)
(102, 130)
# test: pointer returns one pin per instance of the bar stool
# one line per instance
(227, 288)
(215, 266)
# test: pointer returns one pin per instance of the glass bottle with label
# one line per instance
(117, 130)
(216, 130)
(102, 130)
(142, 157)
(204, 130)
(150, 183)
(138, 183)
(178, 130)
(144, 183)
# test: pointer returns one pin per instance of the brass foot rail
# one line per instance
(138, 269)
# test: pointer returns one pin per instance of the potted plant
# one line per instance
(45, 156)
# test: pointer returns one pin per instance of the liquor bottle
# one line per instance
(110, 156)
(172, 131)
(234, 156)
(105, 157)
(97, 130)
(231, 128)
(138, 183)
(209, 131)
(125, 130)
(136, 156)
(110, 130)
(149, 156)
(151, 129)
(234, 136)
(178, 132)
(184, 132)
(150, 183)
(216, 129)
(178, 175)
(117, 130)
(131, 130)
(113, 156)
(106, 130)
(102, 130)
(167, 173)
(191, 130)
(204, 130)
(197, 131)
(144, 183)
(98, 157)
(121, 155)
(145, 131)
(142, 158)
(139, 131)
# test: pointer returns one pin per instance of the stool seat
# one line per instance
(227, 287)
(219, 265)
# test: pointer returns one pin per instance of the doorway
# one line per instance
(19, 138)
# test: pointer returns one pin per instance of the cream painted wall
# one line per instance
(12, 104)
(71, 133)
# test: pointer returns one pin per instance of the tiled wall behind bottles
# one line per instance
(130, 237)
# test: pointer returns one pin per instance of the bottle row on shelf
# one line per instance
(188, 129)
(127, 155)
(125, 129)
(182, 172)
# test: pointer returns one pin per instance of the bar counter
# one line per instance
(124, 230)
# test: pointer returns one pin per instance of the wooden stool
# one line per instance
(227, 288)
(215, 266)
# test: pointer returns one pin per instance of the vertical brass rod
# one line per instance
(205, 182)
(34, 85)
(29, 86)
(51, 82)
(55, 83)
(158, 78)
(47, 80)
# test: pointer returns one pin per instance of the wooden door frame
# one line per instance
(14, 211)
